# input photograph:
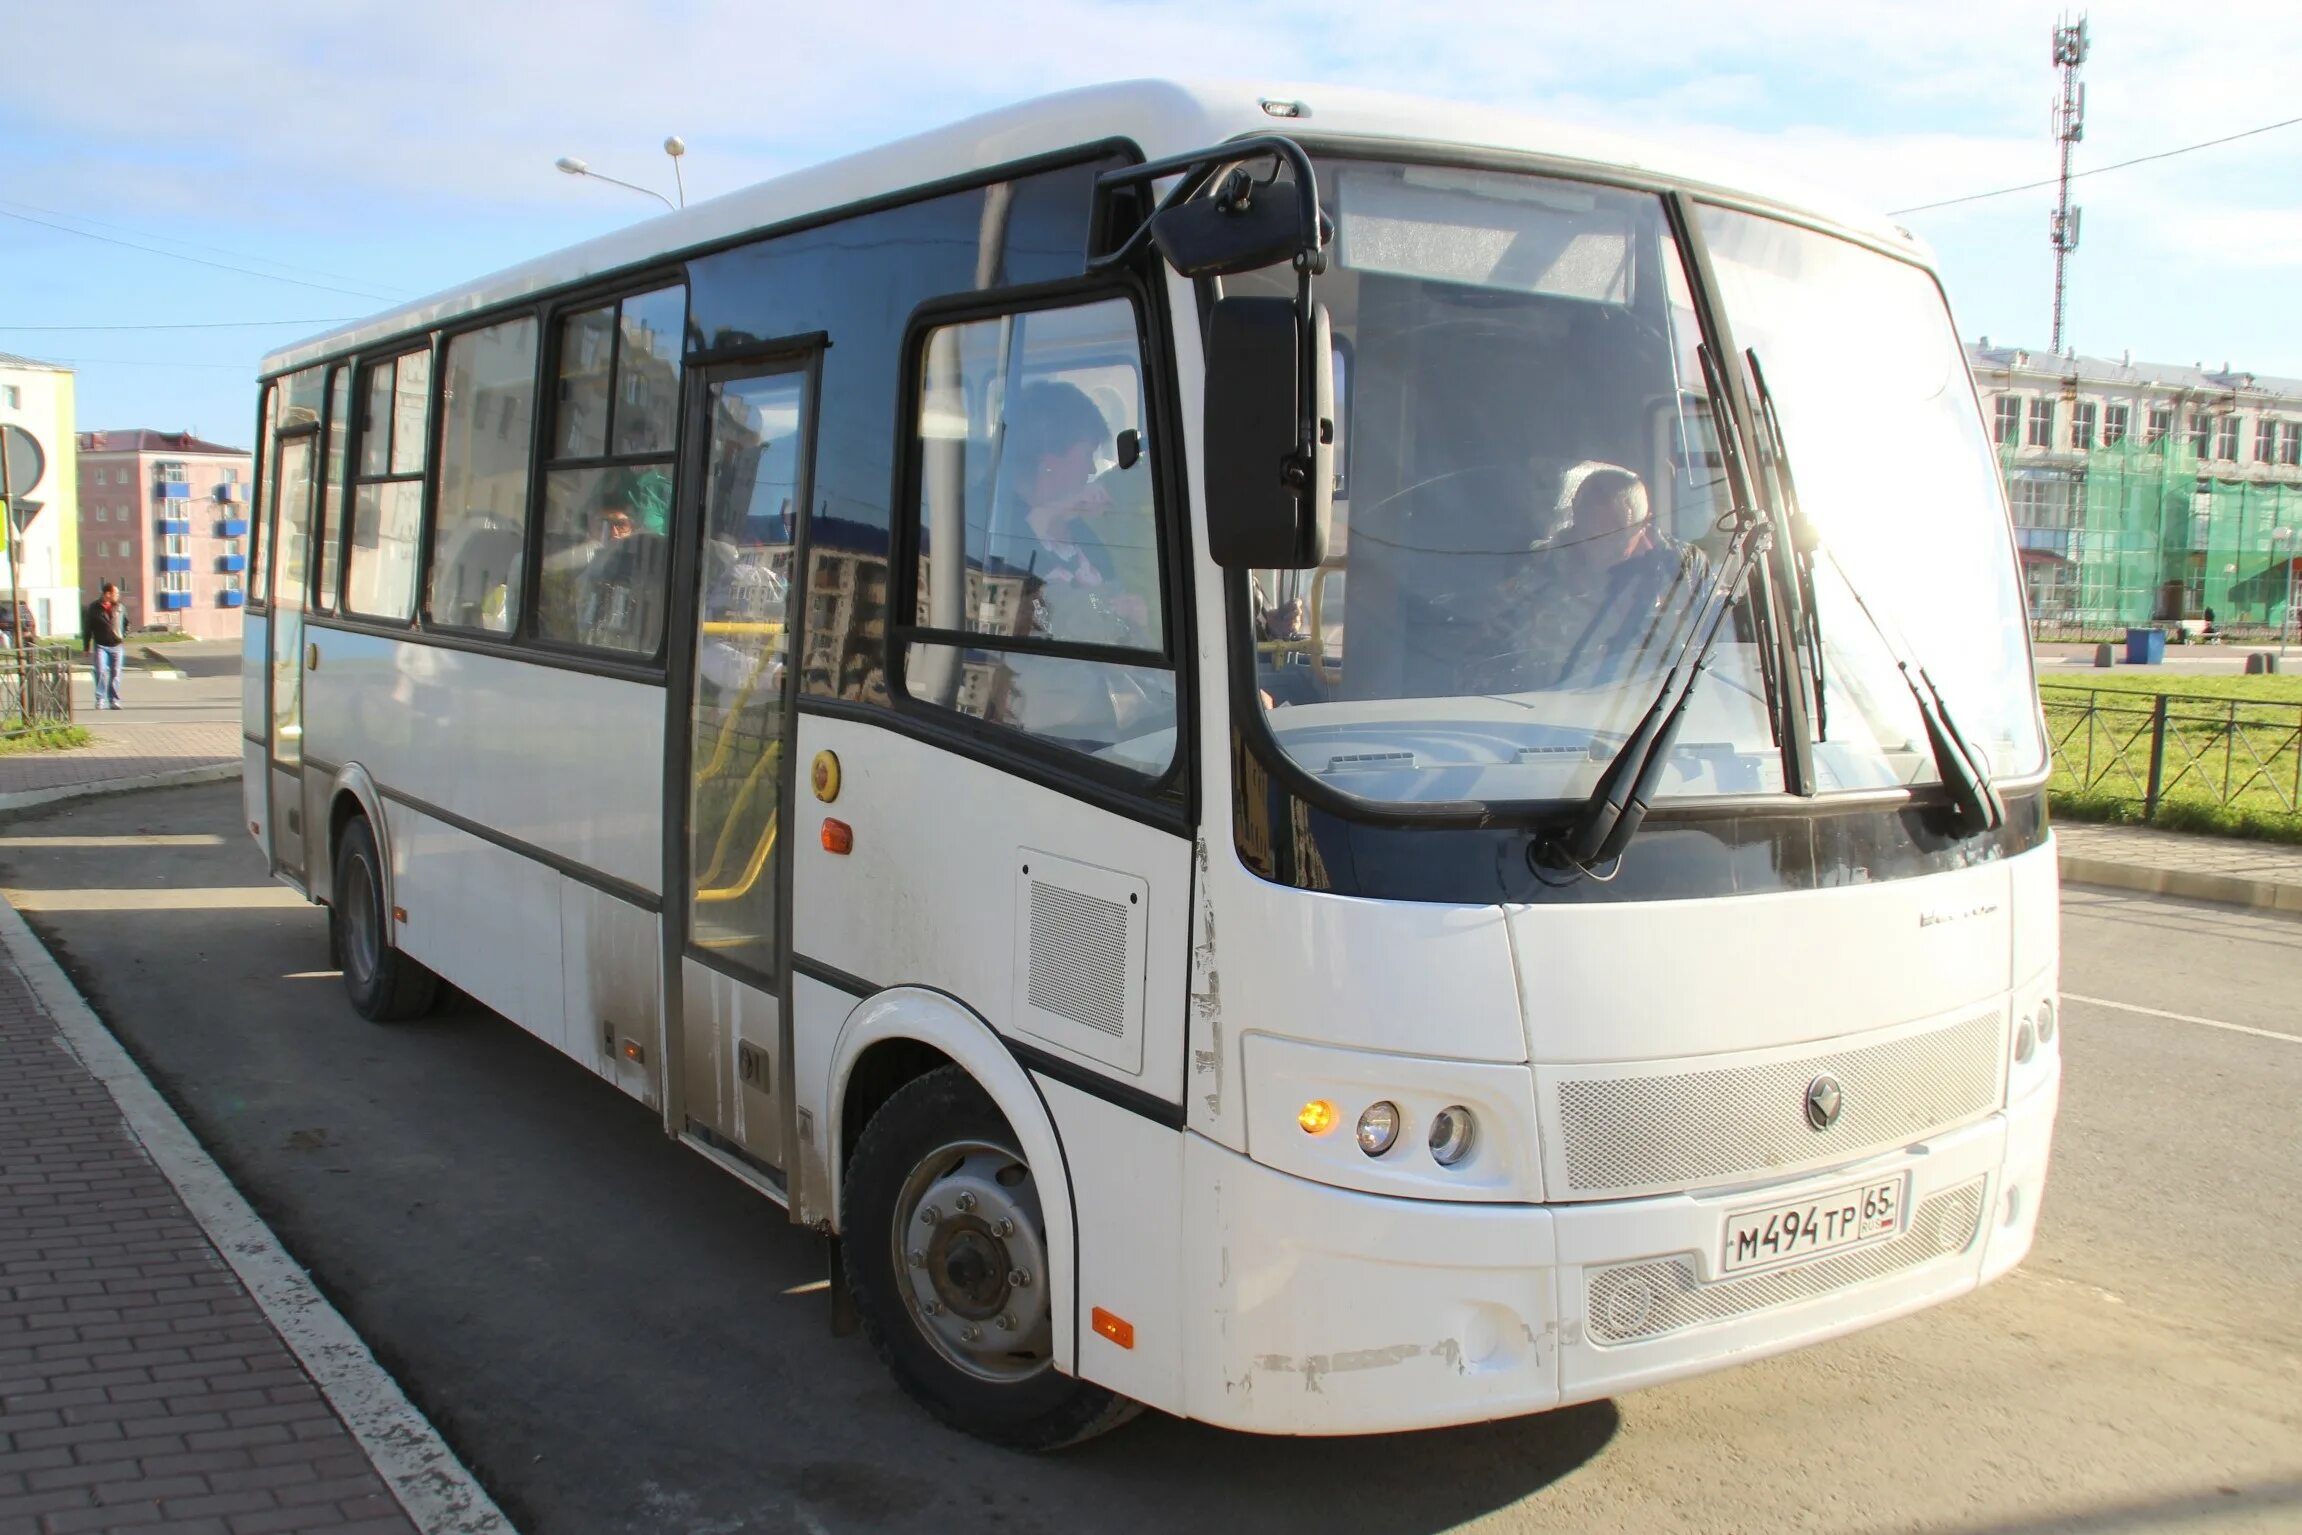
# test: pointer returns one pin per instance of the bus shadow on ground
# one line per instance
(614, 1335)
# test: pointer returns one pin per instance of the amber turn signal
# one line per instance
(1317, 1117)
(838, 837)
(1118, 1329)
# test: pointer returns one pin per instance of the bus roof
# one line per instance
(1161, 117)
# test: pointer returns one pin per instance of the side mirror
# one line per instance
(1270, 494)
(1229, 233)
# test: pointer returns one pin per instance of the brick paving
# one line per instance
(2182, 852)
(123, 751)
(140, 1385)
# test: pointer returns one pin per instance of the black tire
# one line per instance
(913, 1129)
(385, 985)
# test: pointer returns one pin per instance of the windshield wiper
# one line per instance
(1963, 771)
(1619, 801)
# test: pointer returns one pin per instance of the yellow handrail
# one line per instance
(735, 810)
(737, 892)
(719, 752)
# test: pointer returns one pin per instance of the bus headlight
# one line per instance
(1452, 1132)
(2046, 1022)
(1378, 1128)
(2025, 1042)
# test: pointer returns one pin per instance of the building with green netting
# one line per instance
(2148, 493)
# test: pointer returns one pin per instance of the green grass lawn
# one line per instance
(2233, 756)
(44, 739)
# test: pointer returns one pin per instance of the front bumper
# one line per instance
(1342, 1313)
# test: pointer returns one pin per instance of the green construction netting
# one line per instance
(2153, 534)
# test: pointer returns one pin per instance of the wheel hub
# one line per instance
(966, 1239)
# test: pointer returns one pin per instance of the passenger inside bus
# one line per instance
(620, 591)
(1082, 540)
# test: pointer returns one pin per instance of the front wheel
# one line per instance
(945, 1250)
(385, 985)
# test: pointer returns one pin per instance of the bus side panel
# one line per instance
(566, 761)
(818, 1012)
(934, 892)
(1127, 1186)
(611, 962)
(253, 802)
(255, 676)
(482, 916)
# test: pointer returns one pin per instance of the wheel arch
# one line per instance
(353, 793)
(899, 1035)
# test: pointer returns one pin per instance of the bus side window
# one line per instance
(608, 477)
(393, 401)
(1037, 529)
(479, 542)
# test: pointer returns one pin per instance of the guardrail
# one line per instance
(35, 690)
(2166, 748)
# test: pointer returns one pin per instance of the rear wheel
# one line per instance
(385, 985)
(946, 1255)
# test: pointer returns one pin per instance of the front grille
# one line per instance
(1637, 1301)
(1626, 1134)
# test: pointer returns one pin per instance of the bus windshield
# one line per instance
(1531, 502)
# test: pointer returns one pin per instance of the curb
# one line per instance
(2188, 884)
(440, 1496)
(25, 799)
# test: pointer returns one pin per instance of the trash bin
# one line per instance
(2145, 647)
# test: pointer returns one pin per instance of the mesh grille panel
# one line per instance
(1079, 958)
(1692, 1128)
(1662, 1295)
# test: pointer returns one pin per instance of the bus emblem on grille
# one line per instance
(1823, 1101)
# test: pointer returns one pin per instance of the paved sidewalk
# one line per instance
(2264, 874)
(124, 751)
(140, 1384)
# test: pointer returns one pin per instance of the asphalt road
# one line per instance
(618, 1338)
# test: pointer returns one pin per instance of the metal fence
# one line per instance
(35, 690)
(2164, 748)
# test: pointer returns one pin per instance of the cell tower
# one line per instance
(2069, 128)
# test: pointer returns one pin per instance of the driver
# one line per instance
(1614, 585)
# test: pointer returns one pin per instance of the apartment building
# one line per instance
(165, 515)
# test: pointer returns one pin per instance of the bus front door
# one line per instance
(748, 439)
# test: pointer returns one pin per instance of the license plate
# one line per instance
(1822, 1223)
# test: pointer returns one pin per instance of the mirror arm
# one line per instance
(1201, 164)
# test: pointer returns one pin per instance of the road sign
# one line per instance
(21, 460)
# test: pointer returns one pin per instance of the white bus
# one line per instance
(1331, 764)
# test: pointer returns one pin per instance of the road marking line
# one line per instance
(439, 1495)
(2211, 1023)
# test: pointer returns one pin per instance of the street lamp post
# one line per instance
(674, 146)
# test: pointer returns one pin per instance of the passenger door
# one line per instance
(291, 489)
(748, 437)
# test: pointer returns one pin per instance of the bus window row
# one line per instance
(601, 558)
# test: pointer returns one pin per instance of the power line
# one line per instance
(213, 250)
(2164, 154)
(221, 266)
(335, 319)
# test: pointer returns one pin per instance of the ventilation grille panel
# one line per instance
(1079, 958)
(1635, 1132)
(1079, 938)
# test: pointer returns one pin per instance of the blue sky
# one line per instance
(358, 153)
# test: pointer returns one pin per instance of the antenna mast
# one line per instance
(2069, 127)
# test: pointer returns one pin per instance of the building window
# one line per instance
(2265, 440)
(2226, 438)
(2115, 419)
(2201, 433)
(175, 581)
(2042, 423)
(2082, 419)
(13, 396)
(2009, 418)
(2161, 423)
